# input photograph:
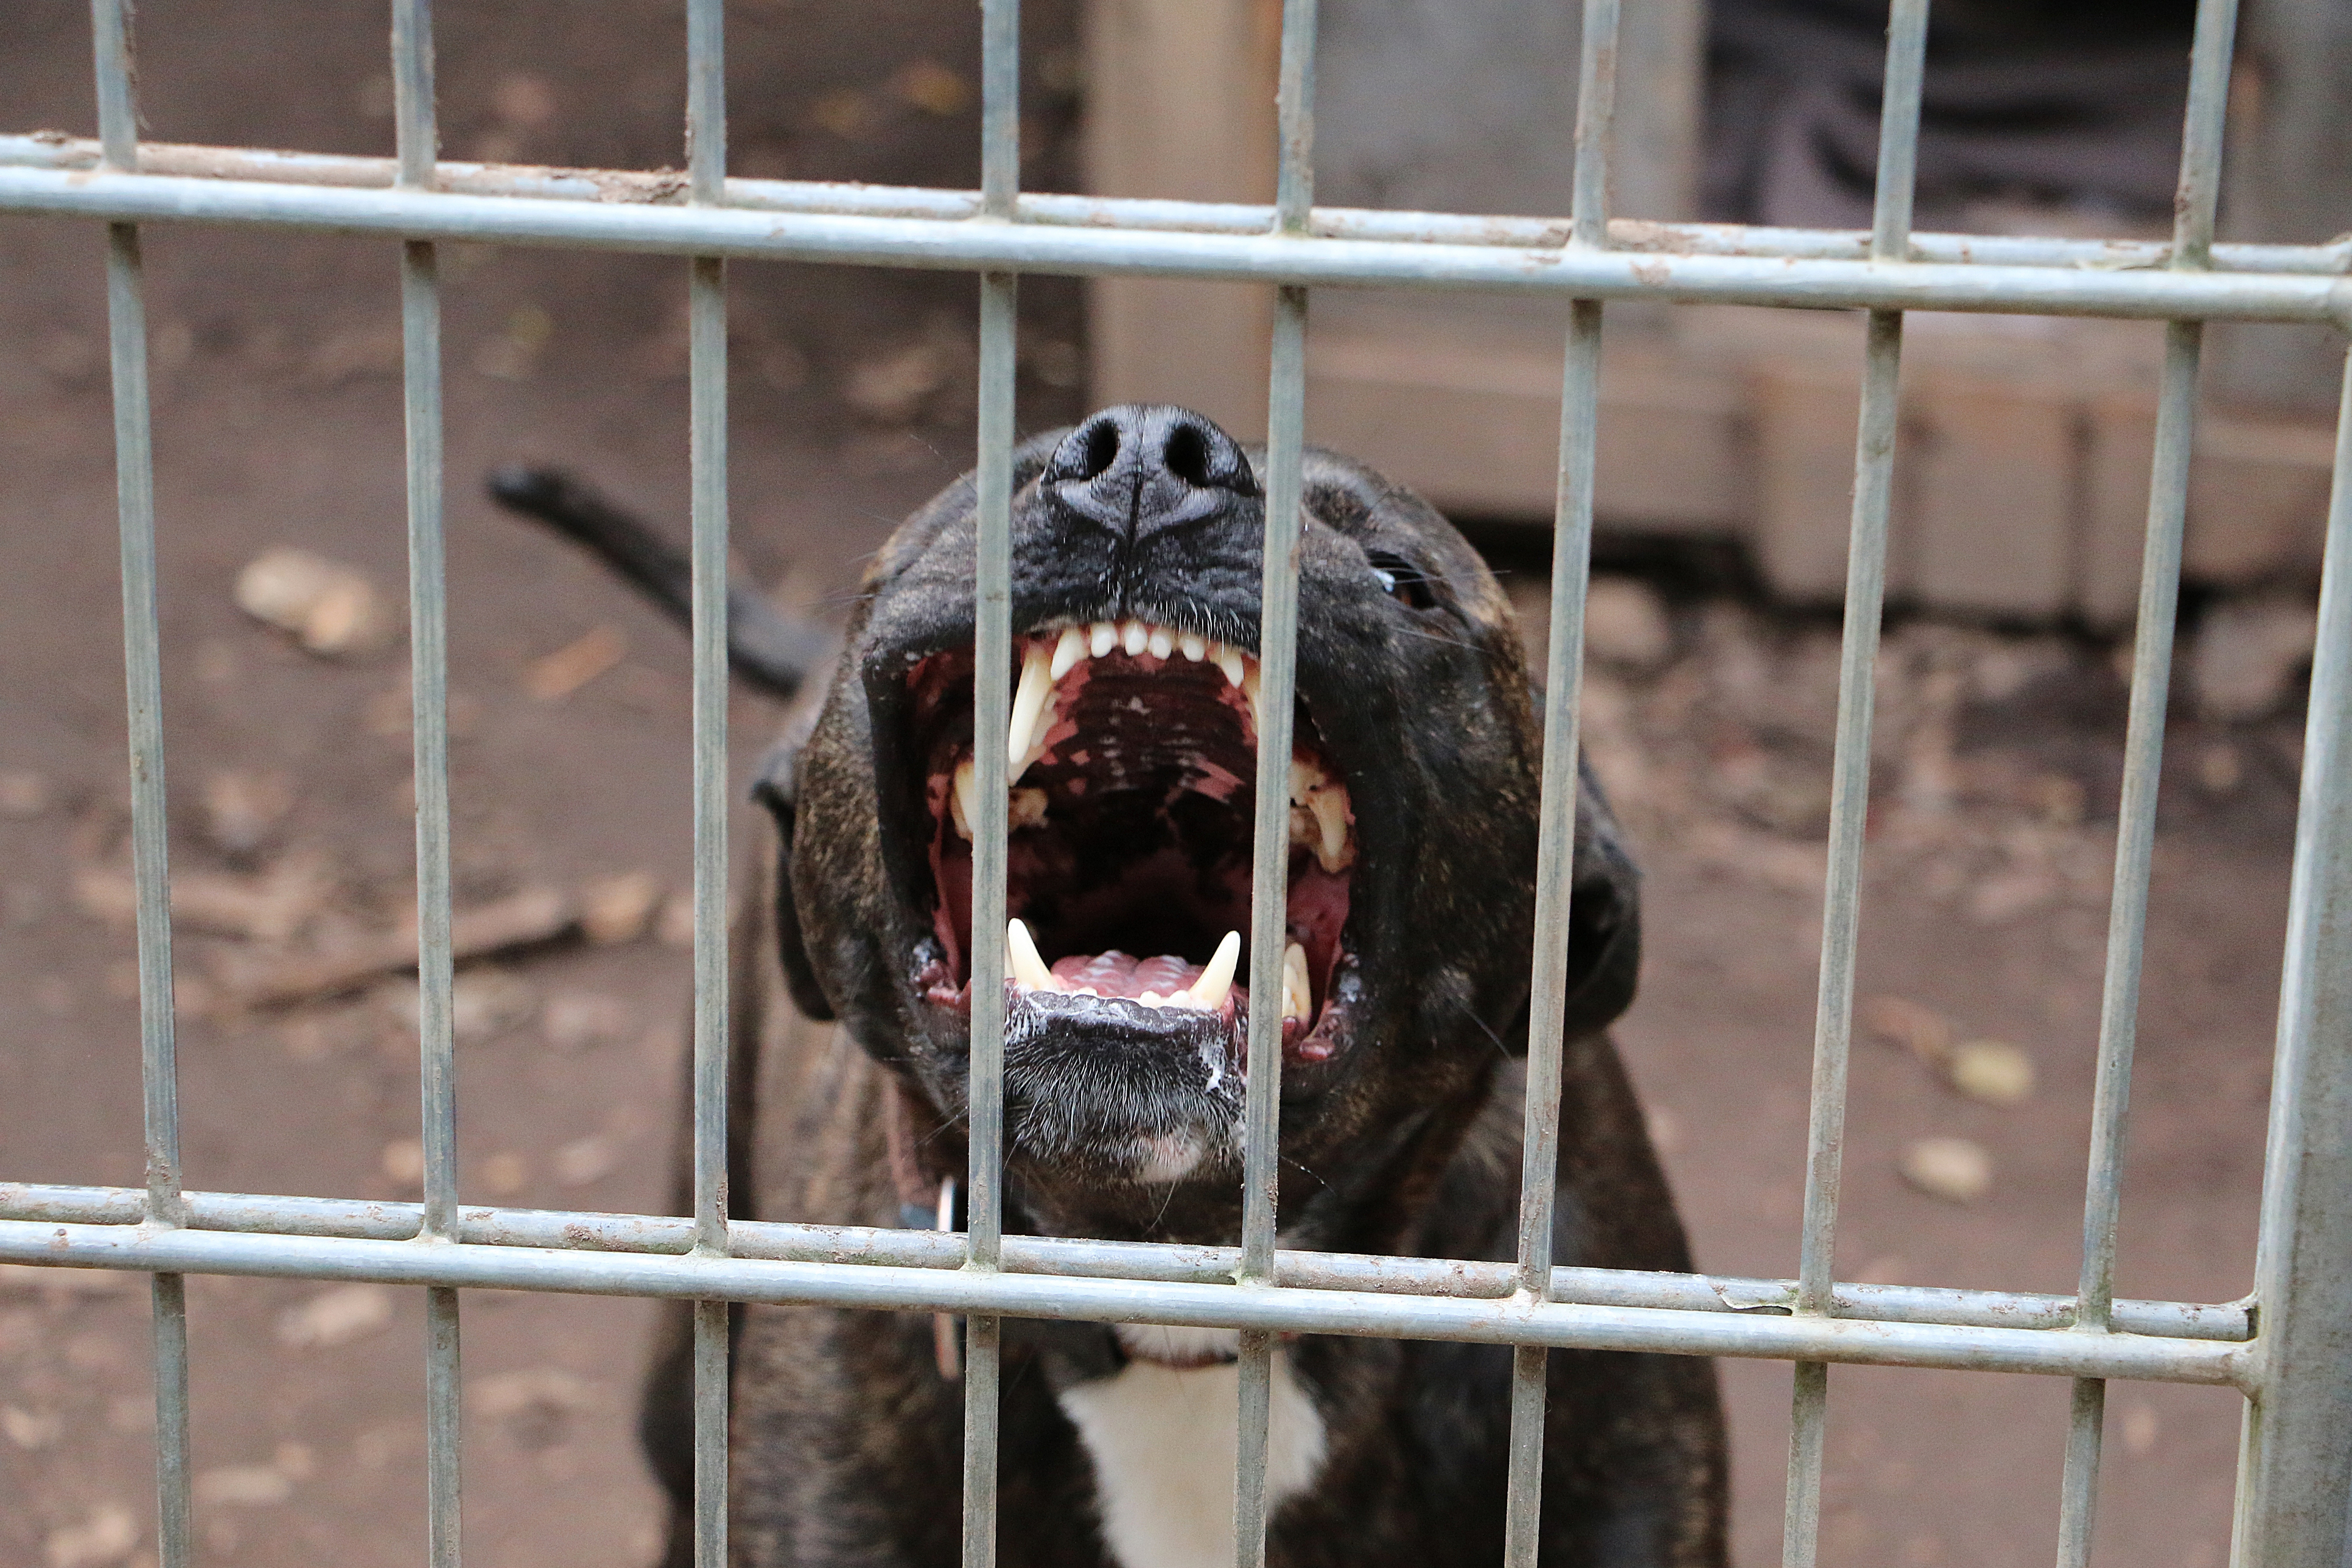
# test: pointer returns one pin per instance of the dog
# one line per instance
(1137, 541)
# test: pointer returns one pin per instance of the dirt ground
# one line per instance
(278, 422)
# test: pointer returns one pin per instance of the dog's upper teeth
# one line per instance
(1319, 815)
(1133, 637)
(1023, 962)
(1194, 648)
(1249, 685)
(1101, 638)
(1032, 712)
(1229, 659)
(1070, 648)
(1297, 996)
(1216, 981)
(963, 800)
(1161, 641)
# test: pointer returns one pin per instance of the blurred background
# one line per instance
(1726, 460)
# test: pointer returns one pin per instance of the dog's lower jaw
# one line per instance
(1163, 1442)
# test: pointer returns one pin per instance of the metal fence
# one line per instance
(2287, 1346)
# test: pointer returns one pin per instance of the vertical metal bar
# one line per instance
(992, 703)
(1865, 592)
(1000, 167)
(2294, 1476)
(416, 131)
(1277, 655)
(1571, 565)
(134, 470)
(2159, 590)
(706, 148)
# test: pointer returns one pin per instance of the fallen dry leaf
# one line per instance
(558, 675)
(1901, 1021)
(336, 1316)
(30, 1428)
(403, 1160)
(1993, 1071)
(619, 909)
(587, 1160)
(23, 792)
(1954, 1169)
(242, 1486)
(505, 1174)
(931, 87)
(106, 1536)
(332, 609)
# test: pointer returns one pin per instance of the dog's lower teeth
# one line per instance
(1319, 815)
(1297, 996)
(1023, 962)
(1216, 981)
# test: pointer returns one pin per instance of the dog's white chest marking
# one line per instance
(1163, 1439)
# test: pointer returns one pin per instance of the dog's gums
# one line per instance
(1133, 761)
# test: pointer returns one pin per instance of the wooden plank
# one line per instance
(1182, 105)
(2257, 498)
(2119, 443)
(1466, 410)
(2288, 180)
(1805, 417)
(1991, 492)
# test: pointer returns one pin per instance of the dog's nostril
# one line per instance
(1101, 449)
(1186, 455)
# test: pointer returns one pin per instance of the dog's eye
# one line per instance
(1403, 581)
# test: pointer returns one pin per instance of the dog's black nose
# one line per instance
(1139, 469)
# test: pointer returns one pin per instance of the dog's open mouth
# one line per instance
(1133, 765)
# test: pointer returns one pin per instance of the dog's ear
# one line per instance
(777, 787)
(1604, 935)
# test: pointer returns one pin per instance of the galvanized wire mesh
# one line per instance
(2283, 1347)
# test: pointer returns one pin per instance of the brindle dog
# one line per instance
(1137, 541)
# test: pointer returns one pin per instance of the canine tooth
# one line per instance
(1297, 996)
(1257, 701)
(1101, 638)
(1021, 960)
(1229, 659)
(1216, 981)
(1132, 636)
(1323, 802)
(1028, 710)
(964, 799)
(1161, 641)
(1194, 648)
(1335, 853)
(1068, 649)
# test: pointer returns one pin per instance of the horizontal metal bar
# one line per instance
(1156, 1262)
(643, 187)
(993, 246)
(1272, 1309)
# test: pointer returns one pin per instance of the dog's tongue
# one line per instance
(1115, 974)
